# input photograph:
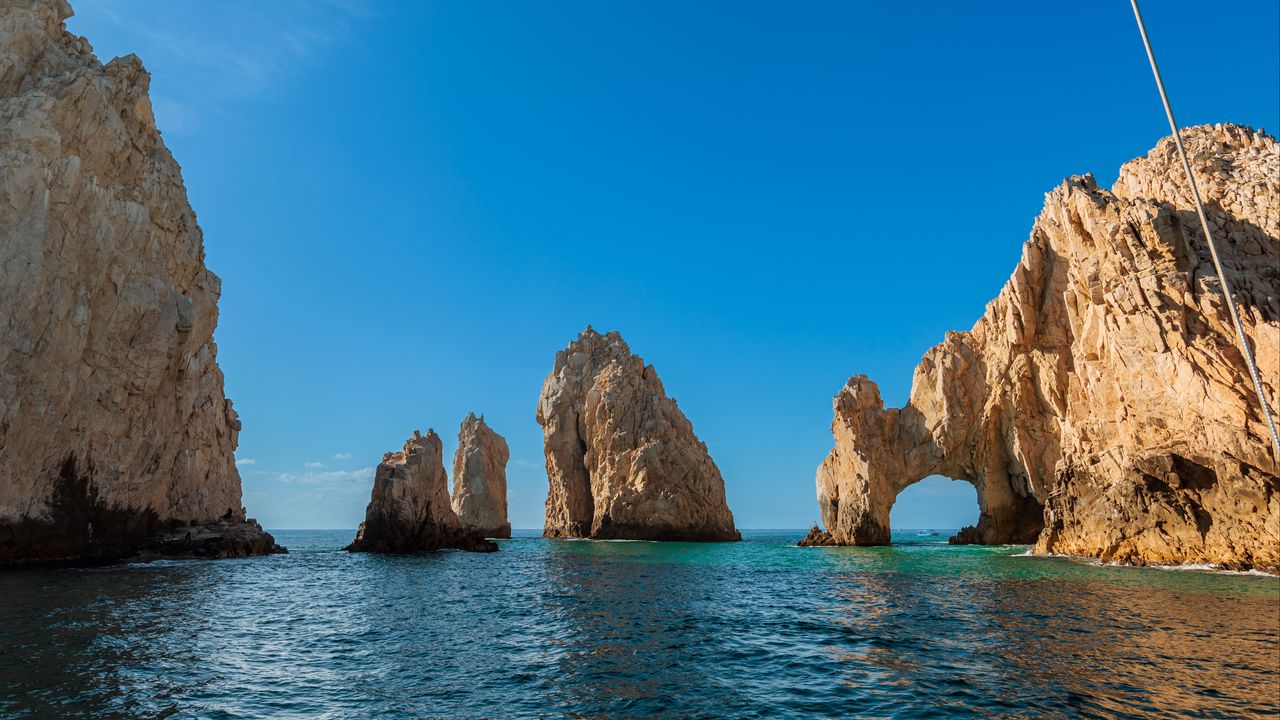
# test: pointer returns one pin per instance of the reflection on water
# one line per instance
(582, 629)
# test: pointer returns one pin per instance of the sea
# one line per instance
(586, 629)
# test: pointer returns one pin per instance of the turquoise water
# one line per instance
(572, 629)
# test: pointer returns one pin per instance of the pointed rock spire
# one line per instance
(480, 479)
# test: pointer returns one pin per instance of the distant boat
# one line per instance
(926, 533)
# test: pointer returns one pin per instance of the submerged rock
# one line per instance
(622, 459)
(409, 508)
(114, 428)
(480, 479)
(1101, 406)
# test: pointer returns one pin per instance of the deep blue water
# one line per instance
(571, 629)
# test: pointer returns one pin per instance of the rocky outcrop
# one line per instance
(114, 429)
(409, 507)
(1101, 405)
(816, 537)
(622, 459)
(480, 479)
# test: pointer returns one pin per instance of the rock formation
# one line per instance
(480, 479)
(409, 507)
(1101, 405)
(622, 460)
(114, 430)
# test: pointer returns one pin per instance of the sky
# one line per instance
(413, 206)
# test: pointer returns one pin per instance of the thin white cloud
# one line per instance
(314, 465)
(328, 478)
(342, 456)
(210, 52)
(245, 461)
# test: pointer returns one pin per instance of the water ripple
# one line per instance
(758, 629)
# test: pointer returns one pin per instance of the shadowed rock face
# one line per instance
(409, 508)
(1101, 406)
(480, 479)
(622, 460)
(114, 430)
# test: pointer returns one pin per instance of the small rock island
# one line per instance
(623, 461)
(409, 509)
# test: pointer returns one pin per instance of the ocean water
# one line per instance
(574, 629)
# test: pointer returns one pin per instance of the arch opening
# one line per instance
(936, 503)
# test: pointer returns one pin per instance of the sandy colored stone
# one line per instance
(1101, 406)
(409, 509)
(113, 422)
(480, 478)
(622, 460)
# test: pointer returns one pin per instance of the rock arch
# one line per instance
(1101, 401)
(859, 483)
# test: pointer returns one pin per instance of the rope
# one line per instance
(1213, 249)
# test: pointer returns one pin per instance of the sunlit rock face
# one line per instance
(409, 509)
(480, 479)
(114, 430)
(1101, 406)
(622, 459)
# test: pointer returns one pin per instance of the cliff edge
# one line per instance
(115, 435)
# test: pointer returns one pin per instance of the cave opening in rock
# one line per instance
(935, 503)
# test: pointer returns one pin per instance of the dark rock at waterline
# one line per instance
(817, 537)
(968, 535)
(80, 528)
(227, 538)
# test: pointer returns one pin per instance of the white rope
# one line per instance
(1213, 249)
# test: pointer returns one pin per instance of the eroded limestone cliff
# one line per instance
(409, 508)
(1100, 406)
(622, 459)
(480, 479)
(115, 435)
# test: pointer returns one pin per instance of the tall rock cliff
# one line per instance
(1101, 405)
(409, 508)
(480, 479)
(113, 424)
(622, 460)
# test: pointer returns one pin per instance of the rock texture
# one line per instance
(622, 460)
(1101, 405)
(409, 508)
(113, 424)
(480, 479)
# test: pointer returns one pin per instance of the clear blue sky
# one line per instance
(413, 206)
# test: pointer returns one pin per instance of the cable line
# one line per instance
(1213, 248)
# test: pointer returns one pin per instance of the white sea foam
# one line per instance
(1194, 567)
